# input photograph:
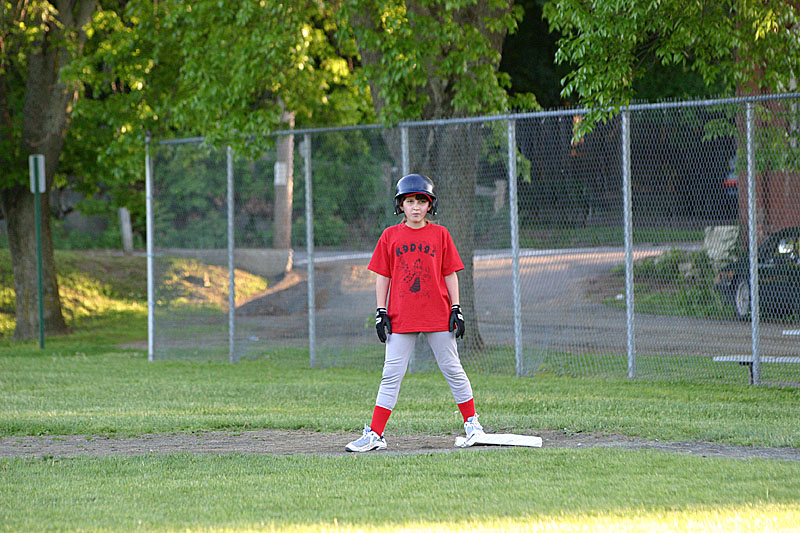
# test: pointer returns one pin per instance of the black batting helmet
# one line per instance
(414, 184)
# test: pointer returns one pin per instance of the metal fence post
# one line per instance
(514, 220)
(752, 236)
(148, 181)
(231, 265)
(404, 150)
(305, 150)
(628, 222)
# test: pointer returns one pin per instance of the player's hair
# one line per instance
(428, 198)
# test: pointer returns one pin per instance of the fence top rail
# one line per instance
(185, 140)
(520, 116)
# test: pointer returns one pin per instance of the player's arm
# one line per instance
(381, 289)
(451, 282)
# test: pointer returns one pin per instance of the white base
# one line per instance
(499, 439)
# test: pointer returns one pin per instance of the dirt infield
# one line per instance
(280, 442)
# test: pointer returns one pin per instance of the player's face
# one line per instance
(415, 207)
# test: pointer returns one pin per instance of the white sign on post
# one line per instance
(36, 167)
(281, 173)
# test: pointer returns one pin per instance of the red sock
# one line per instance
(380, 416)
(467, 408)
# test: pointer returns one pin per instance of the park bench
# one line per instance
(747, 360)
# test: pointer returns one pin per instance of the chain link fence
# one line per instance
(622, 254)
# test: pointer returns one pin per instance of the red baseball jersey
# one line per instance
(417, 260)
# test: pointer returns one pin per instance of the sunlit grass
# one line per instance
(92, 286)
(532, 236)
(96, 286)
(569, 490)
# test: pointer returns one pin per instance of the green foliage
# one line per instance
(226, 71)
(7, 296)
(544, 236)
(411, 48)
(674, 265)
(191, 286)
(350, 189)
(350, 193)
(110, 239)
(492, 228)
(677, 283)
(190, 197)
(777, 145)
(730, 44)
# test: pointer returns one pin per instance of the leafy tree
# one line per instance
(37, 40)
(232, 65)
(225, 70)
(231, 72)
(118, 68)
(434, 59)
(746, 46)
(743, 45)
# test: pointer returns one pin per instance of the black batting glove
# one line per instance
(457, 321)
(382, 323)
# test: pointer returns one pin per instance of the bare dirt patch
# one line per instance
(283, 442)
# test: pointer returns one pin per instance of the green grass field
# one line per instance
(586, 490)
(80, 387)
(87, 384)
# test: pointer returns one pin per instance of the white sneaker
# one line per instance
(473, 427)
(369, 441)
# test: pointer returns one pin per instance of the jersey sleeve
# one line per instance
(451, 261)
(380, 263)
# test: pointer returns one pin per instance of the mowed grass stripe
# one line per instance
(508, 489)
(120, 393)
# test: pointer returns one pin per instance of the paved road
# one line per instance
(557, 314)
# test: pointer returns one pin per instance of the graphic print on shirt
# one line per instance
(415, 269)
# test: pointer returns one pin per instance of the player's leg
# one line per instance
(445, 349)
(399, 347)
(443, 344)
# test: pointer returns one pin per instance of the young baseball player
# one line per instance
(417, 291)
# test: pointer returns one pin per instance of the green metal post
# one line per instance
(38, 216)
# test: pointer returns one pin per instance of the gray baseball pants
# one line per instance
(400, 346)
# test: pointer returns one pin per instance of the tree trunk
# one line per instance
(48, 103)
(18, 204)
(451, 160)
